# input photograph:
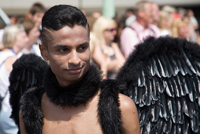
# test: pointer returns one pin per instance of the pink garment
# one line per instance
(130, 37)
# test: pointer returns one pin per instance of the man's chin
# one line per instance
(76, 76)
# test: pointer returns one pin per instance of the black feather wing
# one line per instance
(27, 72)
(163, 79)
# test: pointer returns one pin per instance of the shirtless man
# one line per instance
(72, 100)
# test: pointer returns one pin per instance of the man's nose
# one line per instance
(74, 58)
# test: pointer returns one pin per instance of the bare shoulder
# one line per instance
(11, 60)
(126, 103)
(21, 123)
(8, 63)
(129, 114)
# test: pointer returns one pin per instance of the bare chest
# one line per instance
(71, 120)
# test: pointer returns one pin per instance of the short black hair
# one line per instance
(60, 16)
(63, 15)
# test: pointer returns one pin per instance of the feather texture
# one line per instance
(162, 76)
(27, 73)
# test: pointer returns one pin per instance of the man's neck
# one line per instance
(74, 94)
(142, 23)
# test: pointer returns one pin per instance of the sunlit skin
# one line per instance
(68, 54)
(183, 31)
(1, 46)
(37, 18)
(144, 16)
(33, 35)
(69, 57)
(155, 13)
(148, 17)
(20, 42)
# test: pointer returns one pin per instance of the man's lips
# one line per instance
(74, 70)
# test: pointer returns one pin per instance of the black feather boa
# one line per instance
(108, 107)
(109, 113)
(74, 94)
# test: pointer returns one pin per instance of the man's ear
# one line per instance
(43, 51)
(140, 13)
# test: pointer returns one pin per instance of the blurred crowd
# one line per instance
(20, 37)
(111, 39)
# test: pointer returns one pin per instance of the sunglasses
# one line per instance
(111, 30)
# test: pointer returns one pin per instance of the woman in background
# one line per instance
(181, 29)
(33, 33)
(106, 53)
(14, 40)
(166, 20)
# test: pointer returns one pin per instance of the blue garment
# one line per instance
(7, 125)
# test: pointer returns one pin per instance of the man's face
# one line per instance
(155, 13)
(148, 17)
(68, 54)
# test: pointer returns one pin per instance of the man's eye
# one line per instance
(81, 48)
(63, 50)
(84, 47)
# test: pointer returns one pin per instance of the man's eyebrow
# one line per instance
(62, 46)
(85, 43)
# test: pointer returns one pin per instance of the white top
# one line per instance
(1, 34)
(165, 32)
(193, 21)
(130, 20)
(4, 77)
(34, 49)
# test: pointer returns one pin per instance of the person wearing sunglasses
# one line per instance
(106, 53)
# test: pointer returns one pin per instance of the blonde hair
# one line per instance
(168, 9)
(178, 23)
(10, 34)
(101, 24)
(167, 13)
(166, 18)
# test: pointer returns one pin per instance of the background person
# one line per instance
(155, 13)
(14, 40)
(193, 26)
(32, 30)
(180, 28)
(139, 29)
(106, 53)
(36, 12)
(166, 20)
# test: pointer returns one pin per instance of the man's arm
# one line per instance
(21, 123)
(129, 116)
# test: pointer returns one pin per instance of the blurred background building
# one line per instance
(19, 7)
